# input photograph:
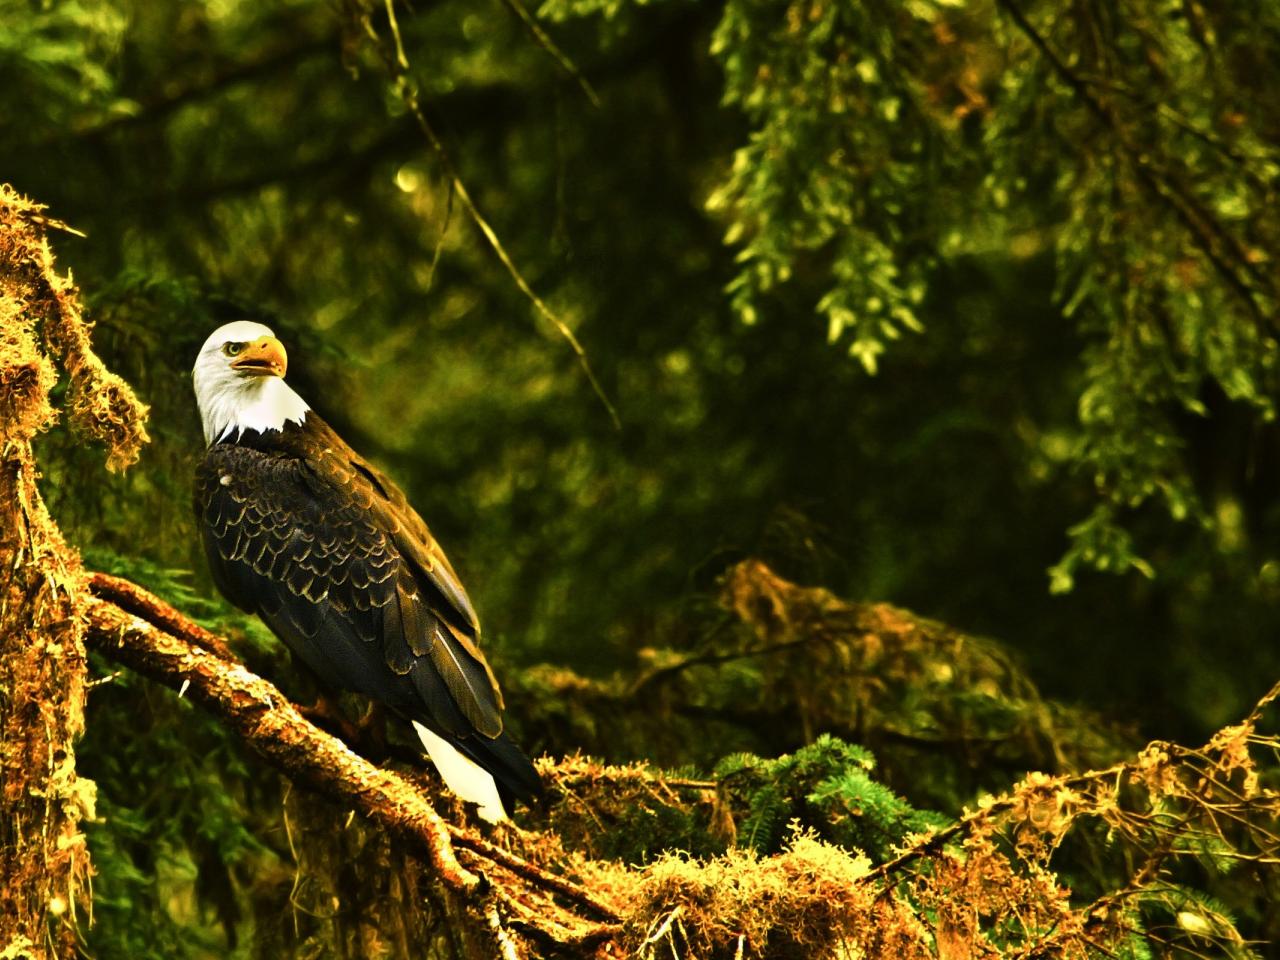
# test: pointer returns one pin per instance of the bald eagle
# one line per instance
(301, 530)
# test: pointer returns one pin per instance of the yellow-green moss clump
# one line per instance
(807, 902)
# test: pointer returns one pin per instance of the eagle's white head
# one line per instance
(239, 381)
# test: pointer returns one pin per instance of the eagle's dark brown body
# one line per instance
(300, 530)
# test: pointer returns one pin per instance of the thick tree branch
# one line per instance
(142, 632)
(265, 719)
(133, 599)
(501, 904)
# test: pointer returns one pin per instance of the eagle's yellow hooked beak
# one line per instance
(264, 357)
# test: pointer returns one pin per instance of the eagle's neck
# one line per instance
(248, 403)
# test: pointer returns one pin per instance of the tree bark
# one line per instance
(44, 861)
(496, 899)
(43, 858)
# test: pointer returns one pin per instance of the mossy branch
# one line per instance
(102, 405)
(814, 898)
(155, 640)
(265, 719)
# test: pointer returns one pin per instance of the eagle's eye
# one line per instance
(231, 349)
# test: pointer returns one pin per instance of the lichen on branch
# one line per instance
(44, 858)
(102, 406)
(985, 884)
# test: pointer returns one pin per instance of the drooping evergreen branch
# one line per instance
(1205, 231)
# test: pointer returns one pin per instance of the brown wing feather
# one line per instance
(436, 618)
(390, 509)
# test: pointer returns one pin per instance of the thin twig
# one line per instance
(50, 223)
(398, 69)
(401, 60)
(439, 244)
(543, 40)
(468, 840)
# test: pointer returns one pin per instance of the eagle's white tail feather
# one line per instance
(463, 776)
